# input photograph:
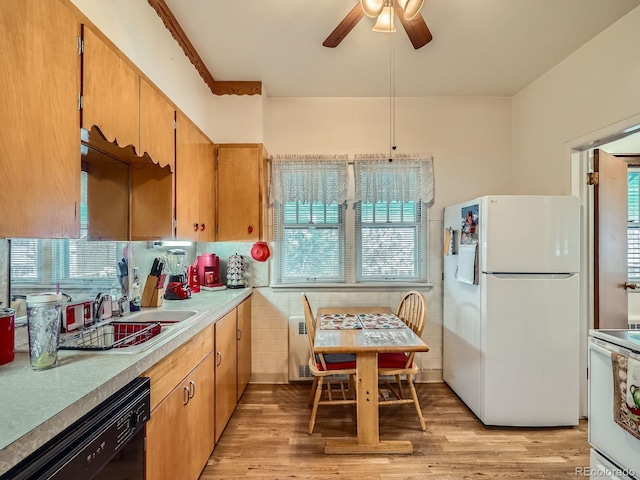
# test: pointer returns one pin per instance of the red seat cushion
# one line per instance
(337, 361)
(392, 360)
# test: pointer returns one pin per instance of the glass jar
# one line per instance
(43, 322)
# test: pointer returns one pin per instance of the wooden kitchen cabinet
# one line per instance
(226, 376)
(157, 126)
(242, 177)
(110, 92)
(195, 183)
(180, 433)
(244, 345)
(39, 140)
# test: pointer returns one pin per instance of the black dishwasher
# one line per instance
(107, 443)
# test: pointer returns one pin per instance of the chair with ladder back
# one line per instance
(412, 310)
(324, 367)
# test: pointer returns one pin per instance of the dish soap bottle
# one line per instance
(136, 301)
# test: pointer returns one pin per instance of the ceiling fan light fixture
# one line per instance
(372, 8)
(411, 7)
(385, 23)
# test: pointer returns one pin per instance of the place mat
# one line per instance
(380, 320)
(339, 321)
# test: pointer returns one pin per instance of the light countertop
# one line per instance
(37, 405)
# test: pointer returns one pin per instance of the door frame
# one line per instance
(576, 151)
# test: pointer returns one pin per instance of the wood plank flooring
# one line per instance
(267, 439)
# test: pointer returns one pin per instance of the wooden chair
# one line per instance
(413, 311)
(325, 366)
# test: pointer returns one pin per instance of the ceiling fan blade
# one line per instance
(416, 28)
(344, 27)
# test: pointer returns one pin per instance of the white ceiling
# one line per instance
(479, 47)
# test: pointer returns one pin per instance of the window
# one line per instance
(633, 228)
(77, 264)
(309, 220)
(356, 222)
(311, 242)
(390, 236)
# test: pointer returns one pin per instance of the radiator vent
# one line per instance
(304, 372)
(298, 350)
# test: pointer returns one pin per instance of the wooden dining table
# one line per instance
(366, 344)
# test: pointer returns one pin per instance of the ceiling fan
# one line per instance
(408, 11)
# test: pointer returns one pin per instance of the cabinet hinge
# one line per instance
(175, 224)
(80, 45)
(80, 101)
(175, 125)
(592, 178)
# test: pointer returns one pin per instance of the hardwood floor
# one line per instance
(267, 439)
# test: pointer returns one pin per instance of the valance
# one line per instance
(308, 179)
(403, 179)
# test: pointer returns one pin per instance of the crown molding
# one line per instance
(179, 35)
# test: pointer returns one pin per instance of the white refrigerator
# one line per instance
(511, 308)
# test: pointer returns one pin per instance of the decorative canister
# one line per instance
(6, 335)
(43, 322)
(235, 271)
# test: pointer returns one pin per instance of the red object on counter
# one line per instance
(194, 281)
(208, 270)
(7, 318)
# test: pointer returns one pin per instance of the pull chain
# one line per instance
(392, 88)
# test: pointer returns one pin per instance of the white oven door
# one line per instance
(604, 434)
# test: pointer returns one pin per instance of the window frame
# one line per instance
(351, 254)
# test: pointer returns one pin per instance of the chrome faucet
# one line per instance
(97, 306)
(123, 306)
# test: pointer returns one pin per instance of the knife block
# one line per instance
(152, 294)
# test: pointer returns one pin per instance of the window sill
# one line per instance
(352, 287)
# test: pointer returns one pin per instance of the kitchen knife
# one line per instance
(154, 267)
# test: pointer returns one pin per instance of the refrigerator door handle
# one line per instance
(554, 276)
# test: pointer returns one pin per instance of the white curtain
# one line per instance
(308, 179)
(402, 179)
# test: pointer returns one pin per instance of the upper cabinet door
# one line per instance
(39, 138)
(207, 185)
(242, 192)
(188, 146)
(157, 125)
(111, 92)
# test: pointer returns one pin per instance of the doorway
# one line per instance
(622, 137)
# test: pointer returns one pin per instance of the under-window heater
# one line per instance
(298, 350)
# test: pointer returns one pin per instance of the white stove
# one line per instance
(615, 453)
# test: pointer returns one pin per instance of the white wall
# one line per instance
(469, 138)
(597, 86)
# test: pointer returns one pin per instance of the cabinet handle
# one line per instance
(192, 389)
(195, 227)
(202, 227)
(219, 357)
(250, 229)
(239, 334)
(185, 395)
